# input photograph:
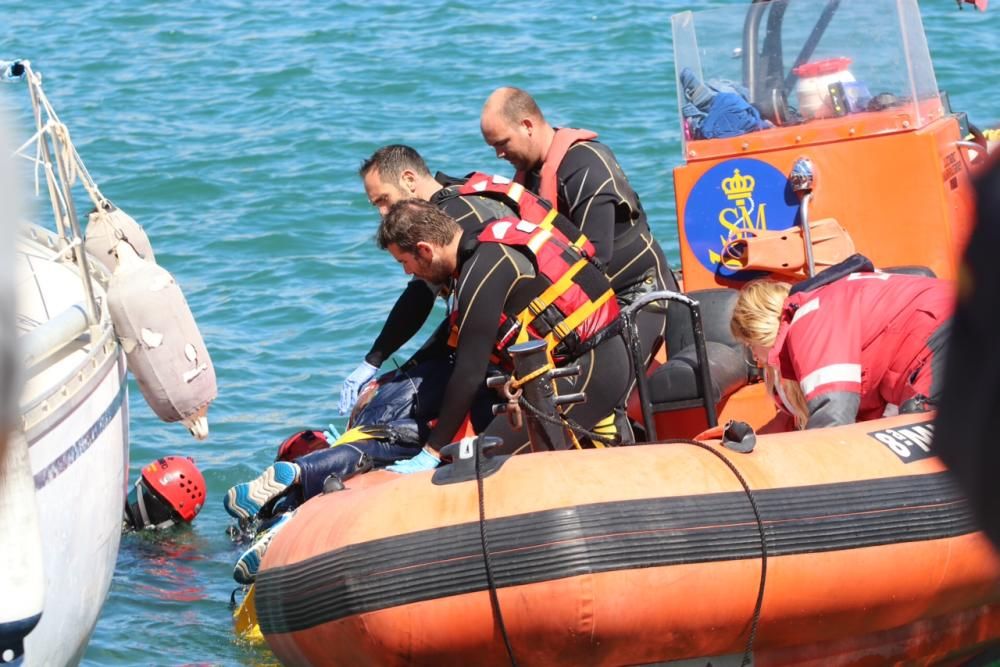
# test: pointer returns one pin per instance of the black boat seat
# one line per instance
(675, 383)
(913, 270)
(717, 305)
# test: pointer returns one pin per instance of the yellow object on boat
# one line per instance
(245, 623)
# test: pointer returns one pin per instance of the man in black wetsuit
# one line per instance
(583, 180)
(497, 272)
(393, 173)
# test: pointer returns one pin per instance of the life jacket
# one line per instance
(572, 310)
(527, 205)
(548, 183)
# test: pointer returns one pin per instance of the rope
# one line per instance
(565, 421)
(755, 619)
(516, 383)
(488, 561)
(75, 168)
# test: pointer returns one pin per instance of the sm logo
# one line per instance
(733, 200)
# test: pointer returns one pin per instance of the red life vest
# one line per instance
(576, 304)
(527, 205)
(548, 183)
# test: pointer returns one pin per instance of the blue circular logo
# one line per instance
(731, 199)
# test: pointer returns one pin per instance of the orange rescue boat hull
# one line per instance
(645, 554)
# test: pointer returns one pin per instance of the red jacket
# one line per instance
(857, 344)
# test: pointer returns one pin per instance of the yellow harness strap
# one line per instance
(547, 298)
(567, 326)
(546, 224)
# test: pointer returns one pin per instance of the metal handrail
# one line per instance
(703, 375)
(62, 166)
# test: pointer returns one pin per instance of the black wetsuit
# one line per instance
(594, 193)
(493, 279)
(417, 300)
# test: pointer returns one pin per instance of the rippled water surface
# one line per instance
(233, 131)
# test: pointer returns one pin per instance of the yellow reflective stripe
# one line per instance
(551, 293)
(515, 192)
(580, 241)
(566, 327)
(538, 240)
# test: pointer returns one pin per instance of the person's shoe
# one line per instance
(248, 563)
(244, 501)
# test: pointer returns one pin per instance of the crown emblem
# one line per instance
(738, 187)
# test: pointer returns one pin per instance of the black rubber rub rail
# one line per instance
(604, 537)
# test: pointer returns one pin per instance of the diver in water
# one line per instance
(170, 491)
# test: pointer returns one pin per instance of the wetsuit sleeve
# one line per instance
(435, 347)
(587, 186)
(483, 288)
(404, 321)
(824, 348)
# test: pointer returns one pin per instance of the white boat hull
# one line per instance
(80, 469)
(74, 413)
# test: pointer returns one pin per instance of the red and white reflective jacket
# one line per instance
(860, 341)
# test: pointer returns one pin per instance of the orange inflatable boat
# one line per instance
(845, 545)
(852, 540)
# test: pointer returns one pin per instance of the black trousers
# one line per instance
(605, 380)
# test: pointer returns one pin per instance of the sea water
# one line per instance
(233, 132)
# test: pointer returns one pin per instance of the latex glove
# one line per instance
(332, 434)
(425, 460)
(353, 384)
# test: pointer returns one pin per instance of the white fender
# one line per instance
(107, 225)
(165, 350)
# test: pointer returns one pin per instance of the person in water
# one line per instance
(581, 177)
(169, 492)
(854, 349)
(392, 173)
(496, 273)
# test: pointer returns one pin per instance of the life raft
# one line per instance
(829, 546)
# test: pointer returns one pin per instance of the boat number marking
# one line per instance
(952, 165)
(909, 443)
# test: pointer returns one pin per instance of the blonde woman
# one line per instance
(853, 349)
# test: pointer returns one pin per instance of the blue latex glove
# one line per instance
(353, 384)
(332, 434)
(422, 461)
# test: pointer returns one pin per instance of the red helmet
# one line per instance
(300, 444)
(178, 481)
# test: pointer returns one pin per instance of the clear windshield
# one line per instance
(802, 61)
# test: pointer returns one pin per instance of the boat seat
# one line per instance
(716, 311)
(674, 385)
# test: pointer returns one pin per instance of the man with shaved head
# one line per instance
(582, 178)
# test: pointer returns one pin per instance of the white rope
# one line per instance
(61, 142)
(75, 243)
